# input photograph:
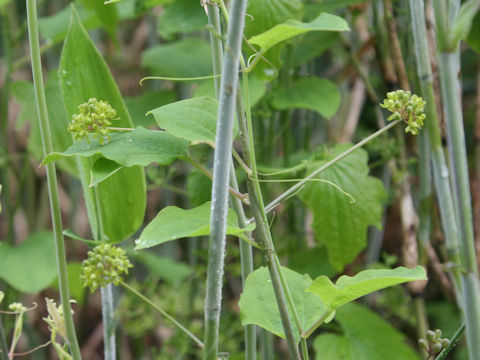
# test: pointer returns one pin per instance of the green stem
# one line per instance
(260, 216)
(220, 186)
(319, 322)
(246, 255)
(163, 312)
(51, 178)
(453, 342)
(294, 189)
(296, 318)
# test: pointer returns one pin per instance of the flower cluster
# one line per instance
(406, 107)
(433, 343)
(94, 118)
(105, 264)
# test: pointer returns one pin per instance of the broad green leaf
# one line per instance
(2, 4)
(320, 95)
(83, 75)
(139, 147)
(329, 6)
(349, 288)
(364, 336)
(102, 169)
(31, 266)
(189, 57)
(77, 290)
(140, 105)
(61, 139)
(107, 14)
(292, 28)
(265, 14)
(473, 38)
(199, 188)
(463, 21)
(338, 223)
(173, 223)
(258, 304)
(312, 45)
(311, 261)
(162, 266)
(181, 16)
(193, 119)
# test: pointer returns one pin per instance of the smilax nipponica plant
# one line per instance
(94, 118)
(105, 264)
(406, 107)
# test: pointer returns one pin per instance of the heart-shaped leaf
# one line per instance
(258, 304)
(173, 223)
(349, 288)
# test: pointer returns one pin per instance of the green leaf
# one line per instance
(258, 304)
(320, 95)
(311, 261)
(473, 38)
(77, 290)
(31, 266)
(349, 288)
(312, 45)
(292, 28)
(199, 188)
(330, 5)
(138, 106)
(61, 139)
(83, 75)
(193, 119)
(338, 223)
(107, 14)
(181, 16)
(138, 147)
(463, 21)
(189, 57)
(264, 14)
(162, 266)
(173, 223)
(364, 336)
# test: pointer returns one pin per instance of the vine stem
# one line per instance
(220, 185)
(297, 187)
(51, 178)
(246, 254)
(163, 312)
(260, 216)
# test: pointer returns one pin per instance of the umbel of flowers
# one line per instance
(105, 264)
(407, 107)
(94, 118)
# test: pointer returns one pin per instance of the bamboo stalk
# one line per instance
(51, 178)
(221, 170)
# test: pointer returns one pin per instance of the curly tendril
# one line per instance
(105, 264)
(406, 107)
(94, 118)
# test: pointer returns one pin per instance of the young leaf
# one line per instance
(349, 288)
(320, 95)
(29, 267)
(292, 28)
(173, 223)
(192, 119)
(189, 57)
(84, 75)
(139, 147)
(340, 223)
(258, 304)
(364, 336)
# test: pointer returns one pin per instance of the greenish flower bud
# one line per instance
(437, 347)
(422, 343)
(445, 342)
(438, 333)
(431, 336)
